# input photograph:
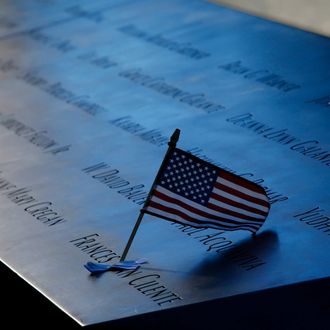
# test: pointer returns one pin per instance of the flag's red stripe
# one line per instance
(202, 213)
(194, 220)
(233, 213)
(195, 225)
(237, 204)
(240, 194)
(242, 182)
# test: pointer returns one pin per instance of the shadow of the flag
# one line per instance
(247, 254)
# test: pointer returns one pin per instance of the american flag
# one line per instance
(194, 192)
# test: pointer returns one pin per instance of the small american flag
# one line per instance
(194, 192)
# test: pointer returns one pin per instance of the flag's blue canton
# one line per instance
(189, 178)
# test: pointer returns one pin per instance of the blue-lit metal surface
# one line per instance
(90, 93)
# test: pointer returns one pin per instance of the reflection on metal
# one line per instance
(89, 95)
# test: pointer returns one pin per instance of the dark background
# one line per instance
(300, 306)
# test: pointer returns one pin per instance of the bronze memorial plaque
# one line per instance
(90, 93)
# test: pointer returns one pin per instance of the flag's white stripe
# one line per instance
(224, 226)
(235, 209)
(199, 217)
(196, 205)
(242, 189)
(239, 200)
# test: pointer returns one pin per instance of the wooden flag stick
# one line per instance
(171, 145)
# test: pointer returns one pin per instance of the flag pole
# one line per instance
(171, 145)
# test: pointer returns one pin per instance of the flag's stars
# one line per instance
(189, 178)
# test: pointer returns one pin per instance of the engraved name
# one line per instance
(94, 16)
(56, 89)
(109, 176)
(159, 85)
(316, 219)
(158, 39)
(94, 248)
(323, 101)
(153, 136)
(148, 284)
(218, 243)
(61, 93)
(38, 138)
(262, 76)
(42, 211)
(66, 46)
(309, 148)
(100, 61)
(62, 45)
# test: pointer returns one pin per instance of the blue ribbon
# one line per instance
(96, 268)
